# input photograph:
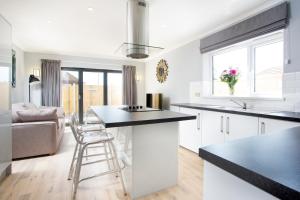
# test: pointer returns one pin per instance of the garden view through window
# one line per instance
(259, 66)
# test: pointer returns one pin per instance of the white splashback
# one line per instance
(195, 92)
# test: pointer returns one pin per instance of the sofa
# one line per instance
(36, 131)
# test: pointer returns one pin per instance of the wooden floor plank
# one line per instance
(45, 178)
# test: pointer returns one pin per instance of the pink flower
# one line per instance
(233, 72)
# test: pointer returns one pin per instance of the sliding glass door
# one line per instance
(93, 90)
(83, 88)
(70, 92)
(114, 89)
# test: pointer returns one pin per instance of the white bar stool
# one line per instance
(85, 140)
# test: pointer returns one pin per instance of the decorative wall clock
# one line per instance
(162, 71)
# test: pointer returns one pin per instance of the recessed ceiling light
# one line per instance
(90, 9)
(163, 26)
(49, 21)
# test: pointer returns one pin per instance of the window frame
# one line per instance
(250, 45)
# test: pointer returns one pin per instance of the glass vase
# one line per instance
(231, 90)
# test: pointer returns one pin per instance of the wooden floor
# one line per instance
(45, 178)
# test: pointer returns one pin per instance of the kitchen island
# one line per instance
(148, 144)
(262, 167)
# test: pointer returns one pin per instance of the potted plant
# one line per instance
(231, 77)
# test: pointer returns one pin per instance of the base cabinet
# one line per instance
(271, 126)
(190, 130)
(222, 127)
(213, 128)
(240, 126)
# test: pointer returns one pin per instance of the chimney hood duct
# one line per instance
(137, 29)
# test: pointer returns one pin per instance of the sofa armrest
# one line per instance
(34, 138)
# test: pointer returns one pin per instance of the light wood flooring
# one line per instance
(45, 178)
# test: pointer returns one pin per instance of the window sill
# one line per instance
(262, 98)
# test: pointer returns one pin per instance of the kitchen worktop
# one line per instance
(280, 115)
(112, 116)
(269, 162)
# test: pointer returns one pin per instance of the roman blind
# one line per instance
(268, 21)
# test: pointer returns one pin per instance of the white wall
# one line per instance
(17, 93)
(293, 37)
(185, 66)
(33, 61)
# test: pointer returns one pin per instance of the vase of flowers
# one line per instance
(231, 77)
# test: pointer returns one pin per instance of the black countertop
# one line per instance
(269, 162)
(280, 115)
(114, 117)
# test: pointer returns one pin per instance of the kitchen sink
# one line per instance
(248, 110)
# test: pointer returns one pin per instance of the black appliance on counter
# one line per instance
(137, 108)
(154, 100)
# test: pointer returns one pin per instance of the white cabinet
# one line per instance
(212, 128)
(220, 127)
(190, 130)
(270, 126)
(240, 126)
(5, 102)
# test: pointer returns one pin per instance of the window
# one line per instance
(268, 68)
(259, 62)
(84, 87)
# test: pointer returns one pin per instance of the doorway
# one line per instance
(83, 88)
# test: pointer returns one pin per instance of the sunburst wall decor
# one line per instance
(162, 71)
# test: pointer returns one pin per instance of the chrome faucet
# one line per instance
(243, 104)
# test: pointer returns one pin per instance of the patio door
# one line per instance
(93, 90)
(83, 88)
(70, 92)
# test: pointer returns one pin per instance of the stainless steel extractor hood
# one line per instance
(137, 28)
(137, 45)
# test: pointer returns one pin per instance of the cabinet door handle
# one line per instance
(263, 128)
(222, 124)
(227, 125)
(198, 122)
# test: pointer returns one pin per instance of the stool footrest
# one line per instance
(97, 175)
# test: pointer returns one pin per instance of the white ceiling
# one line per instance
(68, 27)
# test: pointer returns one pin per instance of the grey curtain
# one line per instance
(268, 21)
(50, 82)
(129, 85)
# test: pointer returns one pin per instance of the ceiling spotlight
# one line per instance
(49, 21)
(90, 9)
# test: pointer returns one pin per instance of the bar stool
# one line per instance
(91, 118)
(84, 130)
(87, 139)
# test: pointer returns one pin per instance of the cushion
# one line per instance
(60, 111)
(19, 107)
(30, 106)
(38, 115)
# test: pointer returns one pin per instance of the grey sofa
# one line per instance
(34, 138)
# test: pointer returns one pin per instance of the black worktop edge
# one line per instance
(144, 122)
(265, 115)
(272, 187)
